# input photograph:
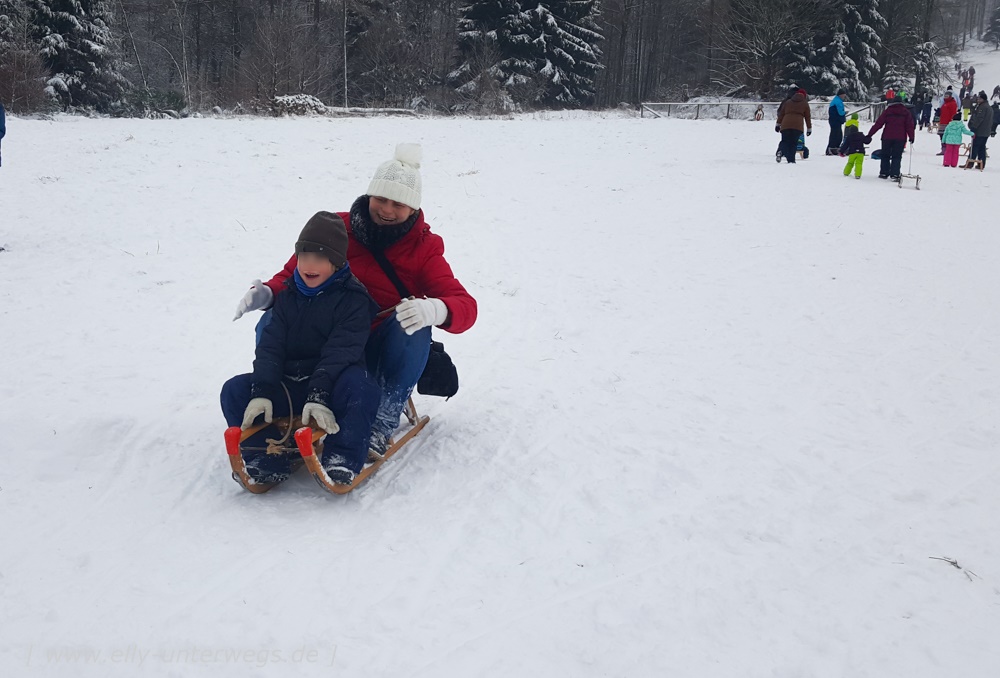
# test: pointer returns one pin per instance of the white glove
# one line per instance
(321, 415)
(260, 296)
(416, 314)
(255, 408)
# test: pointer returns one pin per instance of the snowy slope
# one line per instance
(718, 417)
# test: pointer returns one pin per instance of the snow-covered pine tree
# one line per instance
(926, 66)
(800, 66)
(862, 22)
(566, 42)
(495, 50)
(79, 50)
(535, 52)
(895, 78)
(835, 68)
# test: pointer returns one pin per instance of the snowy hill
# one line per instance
(719, 417)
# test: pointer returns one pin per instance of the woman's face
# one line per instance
(388, 212)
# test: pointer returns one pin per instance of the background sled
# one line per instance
(306, 438)
(909, 176)
(258, 437)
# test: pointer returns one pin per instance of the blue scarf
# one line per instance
(300, 284)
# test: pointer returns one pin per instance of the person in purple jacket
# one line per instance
(898, 124)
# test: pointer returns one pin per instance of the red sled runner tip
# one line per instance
(233, 434)
(305, 443)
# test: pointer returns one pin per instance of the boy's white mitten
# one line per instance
(321, 415)
(416, 314)
(255, 408)
(259, 296)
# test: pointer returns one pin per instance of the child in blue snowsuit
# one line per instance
(312, 354)
(853, 147)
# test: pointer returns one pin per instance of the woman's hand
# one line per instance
(416, 314)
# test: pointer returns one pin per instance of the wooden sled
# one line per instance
(913, 177)
(236, 437)
(305, 438)
(973, 164)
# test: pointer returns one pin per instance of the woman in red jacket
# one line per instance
(388, 224)
(949, 107)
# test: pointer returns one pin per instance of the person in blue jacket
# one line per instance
(838, 116)
(311, 359)
(3, 127)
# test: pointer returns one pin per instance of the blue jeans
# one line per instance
(395, 359)
(354, 401)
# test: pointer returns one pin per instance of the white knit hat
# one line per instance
(399, 179)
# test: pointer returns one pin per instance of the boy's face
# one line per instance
(388, 212)
(315, 269)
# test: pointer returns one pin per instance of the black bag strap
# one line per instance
(390, 273)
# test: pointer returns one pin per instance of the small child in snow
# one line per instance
(853, 147)
(312, 354)
(952, 139)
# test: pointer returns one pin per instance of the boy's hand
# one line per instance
(416, 314)
(255, 408)
(260, 296)
(321, 415)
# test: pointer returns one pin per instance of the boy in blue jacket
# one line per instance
(854, 148)
(311, 356)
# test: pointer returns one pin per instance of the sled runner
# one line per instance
(306, 438)
(274, 437)
(305, 447)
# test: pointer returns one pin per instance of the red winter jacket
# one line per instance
(418, 259)
(948, 110)
(898, 122)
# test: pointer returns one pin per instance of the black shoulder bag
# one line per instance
(440, 377)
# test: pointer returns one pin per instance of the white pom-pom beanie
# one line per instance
(399, 179)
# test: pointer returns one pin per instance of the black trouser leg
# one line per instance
(836, 139)
(895, 156)
(789, 140)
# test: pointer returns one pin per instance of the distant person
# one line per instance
(794, 118)
(981, 125)
(996, 92)
(759, 113)
(3, 127)
(996, 117)
(837, 117)
(853, 147)
(899, 127)
(925, 113)
(952, 138)
(967, 101)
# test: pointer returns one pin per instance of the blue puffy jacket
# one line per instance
(314, 338)
(3, 121)
(837, 114)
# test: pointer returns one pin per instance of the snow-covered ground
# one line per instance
(719, 417)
